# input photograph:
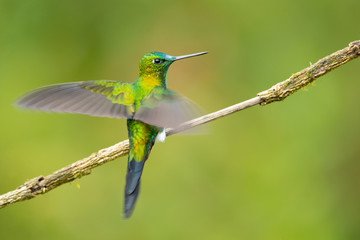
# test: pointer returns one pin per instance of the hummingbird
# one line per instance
(147, 104)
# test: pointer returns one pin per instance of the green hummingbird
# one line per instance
(147, 104)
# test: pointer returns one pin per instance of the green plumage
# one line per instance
(147, 104)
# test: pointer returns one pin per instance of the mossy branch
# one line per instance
(278, 92)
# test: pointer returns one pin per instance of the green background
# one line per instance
(288, 170)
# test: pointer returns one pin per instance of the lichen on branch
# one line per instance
(283, 89)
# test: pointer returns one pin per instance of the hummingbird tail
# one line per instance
(132, 186)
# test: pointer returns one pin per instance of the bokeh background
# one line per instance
(288, 170)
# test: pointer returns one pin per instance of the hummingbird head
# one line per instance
(156, 64)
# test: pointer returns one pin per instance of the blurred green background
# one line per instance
(288, 170)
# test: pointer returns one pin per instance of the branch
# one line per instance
(278, 92)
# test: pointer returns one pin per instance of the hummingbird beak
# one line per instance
(190, 55)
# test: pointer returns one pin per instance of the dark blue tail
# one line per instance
(132, 186)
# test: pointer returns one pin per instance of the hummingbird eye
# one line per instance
(158, 60)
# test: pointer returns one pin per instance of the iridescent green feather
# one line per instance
(140, 136)
(117, 92)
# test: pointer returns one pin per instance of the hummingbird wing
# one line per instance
(164, 108)
(102, 98)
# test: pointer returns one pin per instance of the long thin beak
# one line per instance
(190, 55)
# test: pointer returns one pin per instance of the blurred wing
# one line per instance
(96, 98)
(164, 108)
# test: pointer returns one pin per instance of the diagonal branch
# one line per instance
(278, 92)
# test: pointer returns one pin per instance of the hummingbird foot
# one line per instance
(161, 136)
